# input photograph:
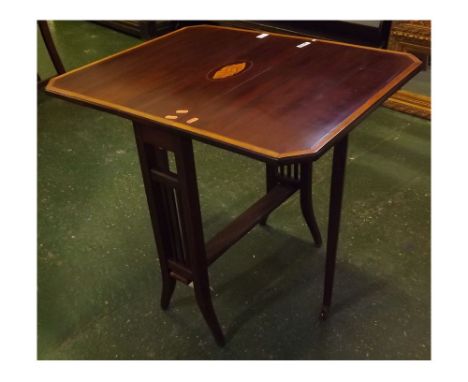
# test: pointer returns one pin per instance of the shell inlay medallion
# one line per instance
(228, 70)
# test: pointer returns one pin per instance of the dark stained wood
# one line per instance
(296, 174)
(247, 220)
(334, 217)
(175, 213)
(348, 32)
(180, 272)
(271, 180)
(158, 212)
(50, 46)
(307, 207)
(161, 176)
(264, 97)
(290, 102)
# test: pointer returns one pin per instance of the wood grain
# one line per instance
(290, 102)
(410, 103)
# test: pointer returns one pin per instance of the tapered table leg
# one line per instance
(175, 214)
(158, 208)
(297, 173)
(306, 203)
(336, 197)
(271, 182)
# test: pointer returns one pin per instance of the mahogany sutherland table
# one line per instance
(284, 100)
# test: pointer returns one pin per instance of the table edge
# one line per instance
(311, 152)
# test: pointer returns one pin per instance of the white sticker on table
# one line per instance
(303, 44)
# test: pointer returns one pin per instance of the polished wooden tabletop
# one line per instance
(274, 96)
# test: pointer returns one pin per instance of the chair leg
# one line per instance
(306, 202)
(50, 46)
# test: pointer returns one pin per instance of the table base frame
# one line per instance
(174, 207)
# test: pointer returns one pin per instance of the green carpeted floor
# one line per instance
(98, 275)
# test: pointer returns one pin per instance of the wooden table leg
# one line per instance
(300, 174)
(175, 214)
(306, 202)
(271, 181)
(336, 197)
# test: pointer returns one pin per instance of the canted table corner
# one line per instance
(284, 100)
